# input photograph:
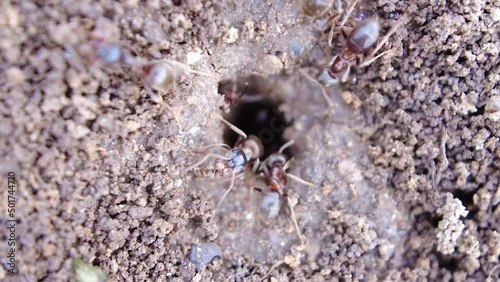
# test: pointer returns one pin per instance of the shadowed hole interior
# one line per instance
(262, 119)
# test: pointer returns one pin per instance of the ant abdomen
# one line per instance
(363, 36)
(160, 76)
(269, 205)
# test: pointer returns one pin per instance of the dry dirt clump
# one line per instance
(399, 159)
(439, 98)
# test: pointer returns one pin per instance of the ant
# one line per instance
(274, 169)
(358, 43)
(246, 151)
(158, 75)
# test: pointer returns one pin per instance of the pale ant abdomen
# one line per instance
(363, 36)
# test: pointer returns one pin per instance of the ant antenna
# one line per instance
(301, 181)
(203, 148)
(232, 126)
(286, 145)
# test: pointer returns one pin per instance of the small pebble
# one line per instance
(203, 253)
(109, 53)
(193, 58)
(85, 272)
(297, 47)
(232, 35)
(269, 64)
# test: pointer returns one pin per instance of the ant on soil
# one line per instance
(246, 151)
(159, 75)
(358, 42)
(274, 170)
(360, 33)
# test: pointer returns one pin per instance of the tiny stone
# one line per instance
(15, 75)
(196, 278)
(193, 57)
(133, 125)
(291, 261)
(269, 64)
(232, 35)
(204, 253)
(191, 100)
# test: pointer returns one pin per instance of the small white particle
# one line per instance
(495, 14)
(232, 35)
(193, 57)
(193, 130)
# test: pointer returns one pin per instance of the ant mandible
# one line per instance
(358, 42)
(276, 177)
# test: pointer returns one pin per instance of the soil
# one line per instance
(406, 159)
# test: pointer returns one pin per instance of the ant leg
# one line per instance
(345, 75)
(331, 22)
(231, 185)
(296, 178)
(301, 181)
(371, 60)
(393, 29)
(222, 179)
(158, 99)
(256, 165)
(323, 91)
(205, 158)
(348, 13)
(294, 220)
(286, 145)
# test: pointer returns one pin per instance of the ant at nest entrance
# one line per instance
(255, 210)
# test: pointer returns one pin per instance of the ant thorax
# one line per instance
(274, 172)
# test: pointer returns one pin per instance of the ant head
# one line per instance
(327, 79)
(237, 159)
(276, 159)
(270, 205)
(252, 146)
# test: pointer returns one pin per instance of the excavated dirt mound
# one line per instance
(405, 159)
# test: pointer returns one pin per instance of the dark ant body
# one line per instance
(276, 178)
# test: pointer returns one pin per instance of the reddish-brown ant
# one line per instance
(359, 40)
(246, 151)
(276, 177)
